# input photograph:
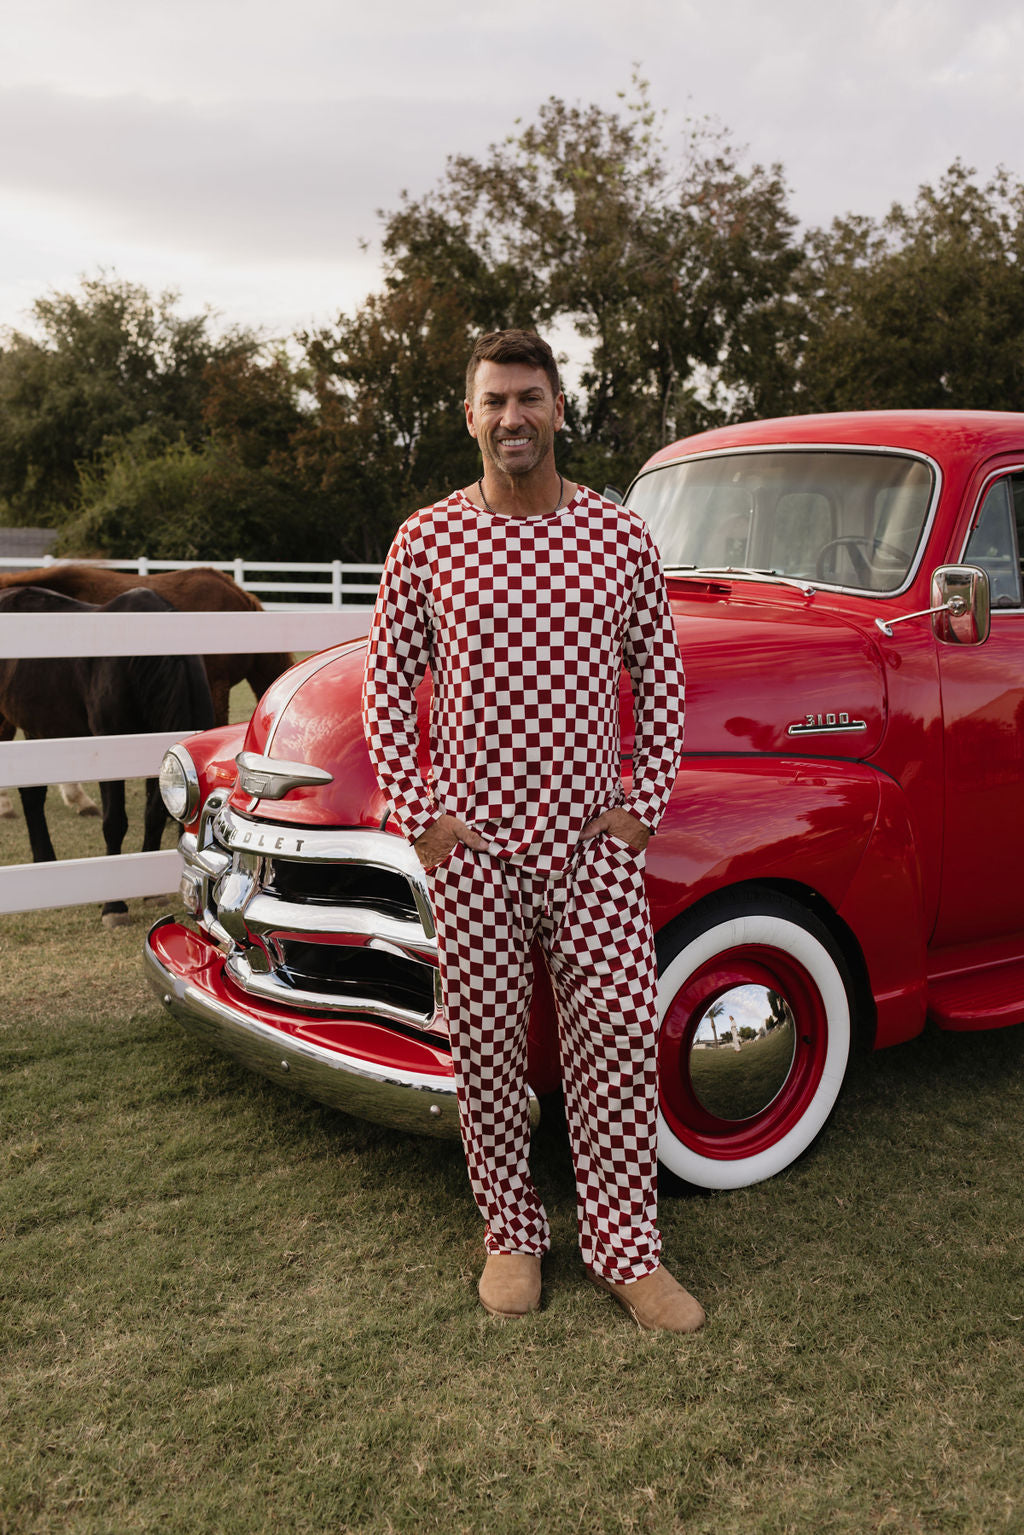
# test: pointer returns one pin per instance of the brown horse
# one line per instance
(202, 590)
(100, 695)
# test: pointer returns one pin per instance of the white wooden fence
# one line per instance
(301, 583)
(27, 887)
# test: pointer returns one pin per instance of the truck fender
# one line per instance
(837, 831)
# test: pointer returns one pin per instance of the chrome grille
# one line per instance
(339, 884)
(376, 975)
(321, 921)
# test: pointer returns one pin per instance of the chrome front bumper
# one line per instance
(404, 1099)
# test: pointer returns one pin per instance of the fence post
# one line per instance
(240, 572)
(143, 565)
(336, 593)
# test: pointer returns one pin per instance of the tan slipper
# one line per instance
(510, 1284)
(658, 1303)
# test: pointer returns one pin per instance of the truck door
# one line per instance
(983, 713)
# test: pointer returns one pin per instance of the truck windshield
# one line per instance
(836, 517)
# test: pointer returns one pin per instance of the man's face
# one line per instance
(514, 416)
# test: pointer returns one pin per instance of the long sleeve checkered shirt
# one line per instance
(524, 624)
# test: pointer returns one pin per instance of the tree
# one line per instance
(388, 433)
(108, 362)
(676, 270)
(238, 487)
(925, 308)
(194, 503)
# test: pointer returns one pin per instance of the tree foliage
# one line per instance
(195, 503)
(676, 268)
(388, 432)
(924, 308)
(108, 361)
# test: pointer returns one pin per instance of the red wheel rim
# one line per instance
(731, 1139)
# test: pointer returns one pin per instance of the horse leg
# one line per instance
(33, 804)
(75, 797)
(7, 731)
(115, 824)
(156, 817)
(220, 692)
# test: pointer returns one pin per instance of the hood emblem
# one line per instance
(271, 777)
(837, 723)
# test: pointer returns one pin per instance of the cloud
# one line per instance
(249, 146)
(265, 180)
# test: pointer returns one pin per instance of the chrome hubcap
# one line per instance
(742, 1052)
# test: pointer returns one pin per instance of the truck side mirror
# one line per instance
(960, 605)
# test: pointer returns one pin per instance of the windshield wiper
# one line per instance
(748, 573)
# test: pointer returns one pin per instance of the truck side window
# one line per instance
(995, 541)
(1017, 492)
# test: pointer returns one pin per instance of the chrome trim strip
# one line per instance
(405, 1100)
(313, 844)
(265, 915)
(823, 447)
(272, 989)
(853, 727)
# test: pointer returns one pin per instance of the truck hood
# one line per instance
(786, 678)
(781, 680)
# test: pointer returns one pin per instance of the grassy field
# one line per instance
(229, 1310)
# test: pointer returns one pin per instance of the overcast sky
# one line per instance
(237, 150)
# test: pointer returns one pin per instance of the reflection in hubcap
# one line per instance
(742, 1052)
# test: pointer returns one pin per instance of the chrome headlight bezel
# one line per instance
(179, 784)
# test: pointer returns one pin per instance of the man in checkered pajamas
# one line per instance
(524, 595)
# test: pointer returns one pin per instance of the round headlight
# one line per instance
(179, 784)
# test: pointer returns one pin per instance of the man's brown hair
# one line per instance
(523, 346)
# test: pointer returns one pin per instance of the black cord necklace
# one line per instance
(483, 498)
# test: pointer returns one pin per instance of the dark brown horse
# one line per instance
(100, 695)
(190, 591)
(202, 590)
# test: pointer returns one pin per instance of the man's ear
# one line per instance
(470, 424)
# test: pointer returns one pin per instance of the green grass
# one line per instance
(227, 1309)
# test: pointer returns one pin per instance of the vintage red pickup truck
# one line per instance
(843, 854)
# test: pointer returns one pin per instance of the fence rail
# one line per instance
(30, 887)
(176, 634)
(340, 584)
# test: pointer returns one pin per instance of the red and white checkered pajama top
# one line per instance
(524, 623)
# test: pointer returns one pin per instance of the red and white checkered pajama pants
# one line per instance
(593, 925)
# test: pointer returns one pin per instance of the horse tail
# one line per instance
(172, 692)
